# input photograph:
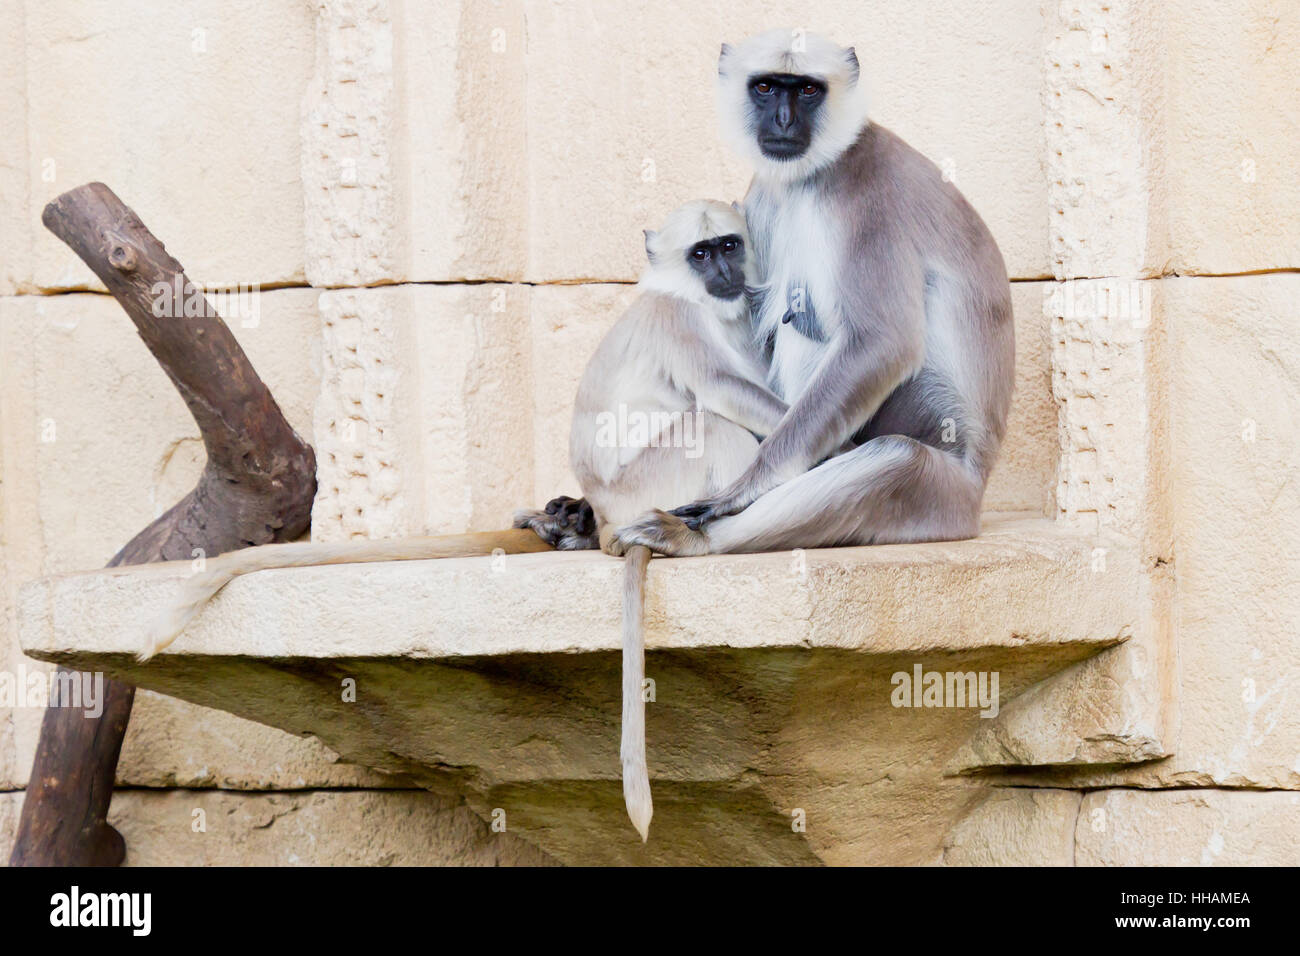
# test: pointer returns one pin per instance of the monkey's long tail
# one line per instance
(221, 570)
(636, 775)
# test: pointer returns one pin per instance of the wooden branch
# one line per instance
(256, 488)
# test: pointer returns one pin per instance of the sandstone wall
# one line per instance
(442, 206)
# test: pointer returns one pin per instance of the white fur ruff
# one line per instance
(842, 116)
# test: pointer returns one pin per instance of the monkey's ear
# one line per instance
(723, 55)
(649, 239)
(851, 58)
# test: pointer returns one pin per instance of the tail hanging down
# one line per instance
(636, 775)
(221, 570)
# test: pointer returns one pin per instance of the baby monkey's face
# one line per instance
(720, 264)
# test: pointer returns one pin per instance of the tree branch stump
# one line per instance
(256, 488)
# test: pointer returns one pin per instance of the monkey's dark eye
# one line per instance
(699, 255)
(730, 246)
(810, 89)
(762, 88)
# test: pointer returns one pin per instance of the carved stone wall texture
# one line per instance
(1105, 328)
(347, 157)
(355, 426)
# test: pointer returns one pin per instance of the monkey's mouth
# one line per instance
(781, 147)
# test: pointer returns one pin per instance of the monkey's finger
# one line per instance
(696, 522)
(693, 510)
(585, 522)
(557, 504)
(703, 514)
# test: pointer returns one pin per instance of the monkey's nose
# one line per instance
(784, 116)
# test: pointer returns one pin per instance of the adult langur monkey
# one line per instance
(886, 307)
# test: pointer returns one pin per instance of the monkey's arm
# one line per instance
(874, 352)
(737, 399)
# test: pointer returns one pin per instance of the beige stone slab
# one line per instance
(1019, 826)
(1198, 827)
(15, 238)
(461, 155)
(186, 117)
(1232, 122)
(11, 803)
(1024, 478)
(319, 828)
(1027, 826)
(1235, 415)
(1112, 710)
(566, 325)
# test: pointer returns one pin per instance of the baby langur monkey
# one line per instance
(671, 408)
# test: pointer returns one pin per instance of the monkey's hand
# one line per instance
(662, 533)
(566, 524)
(573, 513)
(699, 513)
(733, 499)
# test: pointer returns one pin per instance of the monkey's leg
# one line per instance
(680, 469)
(890, 490)
(221, 570)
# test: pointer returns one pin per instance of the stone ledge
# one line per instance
(498, 679)
(1022, 582)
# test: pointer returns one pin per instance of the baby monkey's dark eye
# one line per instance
(731, 245)
(699, 255)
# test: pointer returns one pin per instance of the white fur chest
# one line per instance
(801, 254)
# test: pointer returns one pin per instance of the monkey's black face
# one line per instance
(785, 112)
(720, 264)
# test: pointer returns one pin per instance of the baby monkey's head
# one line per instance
(702, 249)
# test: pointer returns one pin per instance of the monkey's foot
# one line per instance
(662, 533)
(566, 524)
